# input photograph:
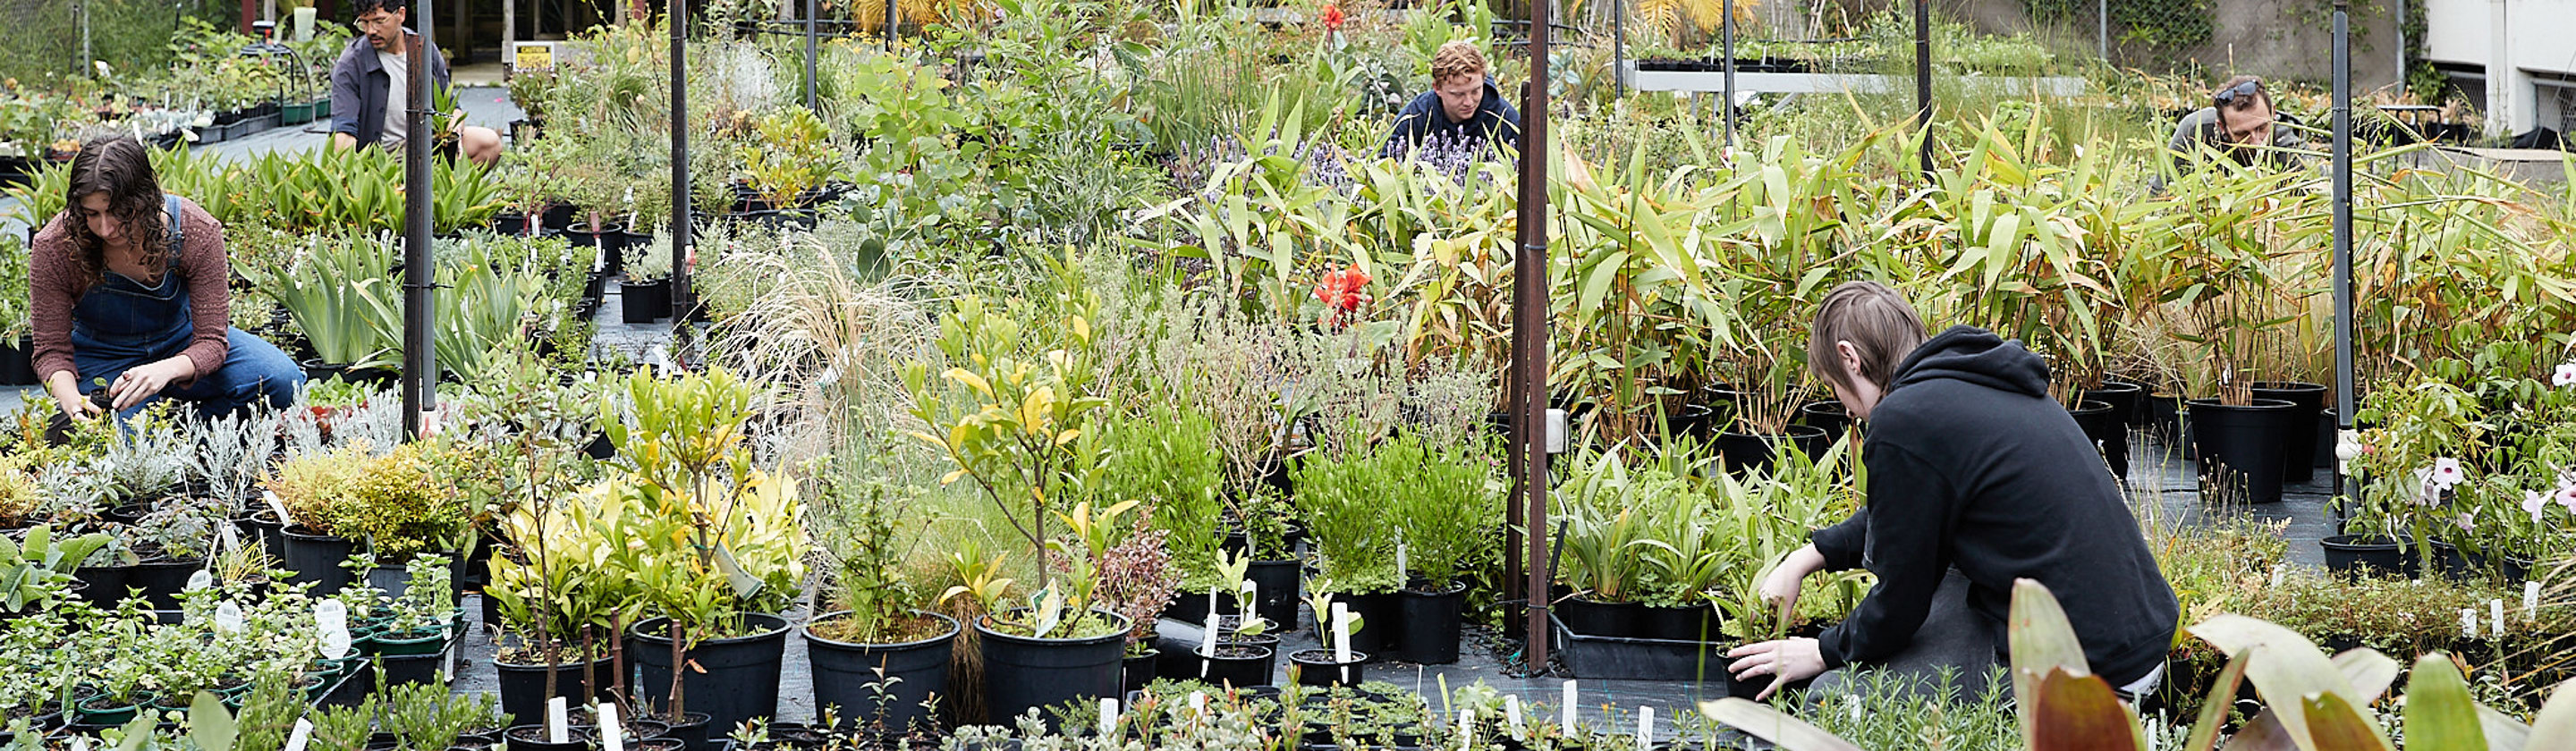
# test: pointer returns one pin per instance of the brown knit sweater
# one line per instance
(54, 285)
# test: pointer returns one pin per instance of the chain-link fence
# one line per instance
(49, 39)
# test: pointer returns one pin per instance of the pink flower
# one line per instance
(2467, 522)
(2565, 375)
(2533, 502)
(2567, 496)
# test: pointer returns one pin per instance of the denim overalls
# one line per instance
(119, 324)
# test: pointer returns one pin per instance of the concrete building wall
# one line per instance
(2288, 39)
(2532, 43)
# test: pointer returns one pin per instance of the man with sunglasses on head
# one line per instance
(2241, 123)
(369, 87)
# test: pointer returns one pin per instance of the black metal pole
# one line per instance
(810, 79)
(420, 362)
(1619, 46)
(1529, 335)
(1728, 40)
(891, 24)
(1923, 80)
(681, 228)
(2343, 302)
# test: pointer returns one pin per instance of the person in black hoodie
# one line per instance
(1463, 109)
(1976, 479)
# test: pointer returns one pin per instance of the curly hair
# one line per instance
(1456, 58)
(120, 167)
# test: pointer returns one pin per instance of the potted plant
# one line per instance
(791, 156)
(1447, 511)
(309, 488)
(1343, 496)
(1009, 403)
(645, 293)
(723, 543)
(38, 568)
(2412, 468)
(17, 343)
(1334, 663)
(343, 296)
(1608, 509)
(877, 657)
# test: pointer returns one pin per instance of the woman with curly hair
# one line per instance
(127, 290)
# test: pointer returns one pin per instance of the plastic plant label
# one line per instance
(295, 741)
(744, 584)
(1198, 702)
(1466, 730)
(2468, 623)
(1645, 728)
(332, 619)
(1512, 712)
(1211, 621)
(1341, 633)
(278, 505)
(557, 723)
(2495, 617)
(611, 736)
(1207, 651)
(228, 618)
(2278, 571)
(1400, 565)
(2531, 600)
(447, 664)
(1565, 712)
(1108, 717)
(1251, 595)
(201, 579)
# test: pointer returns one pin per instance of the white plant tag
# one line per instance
(1466, 729)
(557, 724)
(1212, 607)
(1207, 650)
(294, 741)
(1565, 712)
(1645, 728)
(1108, 717)
(1251, 595)
(200, 579)
(2531, 600)
(2278, 571)
(278, 505)
(1198, 702)
(1400, 566)
(2495, 617)
(611, 736)
(332, 619)
(2469, 623)
(1341, 633)
(228, 618)
(1512, 713)
(447, 664)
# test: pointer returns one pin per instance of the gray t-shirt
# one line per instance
(397, 100)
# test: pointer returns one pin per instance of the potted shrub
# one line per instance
(723, 544)
(1344, 497)
(791, 156)
(877, 657)
(309, 489)
(2413, 475)
(645, 293)
(1447, 512)
(343, 296)
(1006, 411)
(1334, 663)
(37, 569)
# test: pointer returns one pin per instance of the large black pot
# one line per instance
(2161, 415)
(1315, 667)
(1747, 453)
(315, 559)
(1827, 415)
(523, 687)
(1677, 624)
(1381, 616)
(1594, 618)
(2101, 424)
(1428, 625)
(1238, 665)
(2126, 399)
(731, 680)
(557, 217)
(914, 671)
(610, 239)
(2240, 448)
(18, 362)
(102, 586)
(2377, 555)
(615, 263)
(263, 527)
(1023, 673)
(2299, 448)
(1278, 583)
(161, 580)
(1136, 671)
(645, 302)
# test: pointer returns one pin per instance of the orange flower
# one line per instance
(1333, 18)
(1341, 294)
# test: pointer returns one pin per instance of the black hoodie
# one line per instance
(1973, 467)
(1495, 123)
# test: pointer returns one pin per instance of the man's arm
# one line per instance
(1909, 515)
(346, 100)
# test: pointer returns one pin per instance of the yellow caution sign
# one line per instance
(533, 56)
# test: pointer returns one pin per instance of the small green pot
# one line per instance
(101, 710)
(416, 642)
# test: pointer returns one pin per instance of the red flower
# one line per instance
(1341, 294)
(1333, 17)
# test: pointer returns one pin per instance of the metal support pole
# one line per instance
(810, 79)
(1923, 80)
(2102, 28)
(1619, 45)
(2343, 229)
(892, 23)
(681, 228)
(1728, 41)
(420, 269)
(2400, 6)
(1529, 335)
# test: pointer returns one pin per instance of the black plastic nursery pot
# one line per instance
(533, 738)
(1137, 670)
(1277, 584)
(2101, 424)
(644, 302)
(1316, 667)
(523, 687)
(609, 238)
(2299, 447)
(161, 579)
(913, 671)
(1235, 665)
(1746, 453)
(1677, 624)
(263, 527)
(1381, 615)
(731, 679)
(17, 363)
(315, 559)
(103, 586)
(2127, 402)
(2241, 448)
(1428, 625)
(1827, 415)
(1595, 618)
(1023, 673)
(2160, 415)
(2379, 555)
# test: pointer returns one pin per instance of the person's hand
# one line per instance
(1786, 661)
(144, 382)
(75, 404)
(1781, 587)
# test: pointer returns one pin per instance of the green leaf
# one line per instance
(209, 724)
(2555, 728)
(2439, 711)
(2042, 642)
(2286, 668)
(1788, 733)
(2333, 725)
(2074, 712)
(2213, 709)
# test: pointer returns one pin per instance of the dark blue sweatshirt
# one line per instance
(1423, 121)
(1972, 466)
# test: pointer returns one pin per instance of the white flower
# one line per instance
(2565, 375)
(2567, 496)
(2468, 522)
(2446, 473)
(2533, 502)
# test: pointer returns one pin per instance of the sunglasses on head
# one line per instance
(2248, 88)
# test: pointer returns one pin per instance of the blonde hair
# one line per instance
(1456, 58)
(1881, 326)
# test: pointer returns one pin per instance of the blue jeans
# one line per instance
(254, 372)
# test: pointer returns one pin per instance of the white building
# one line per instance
(2518, 57)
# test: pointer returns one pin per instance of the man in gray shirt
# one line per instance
(2241, 123)
(369, 87)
